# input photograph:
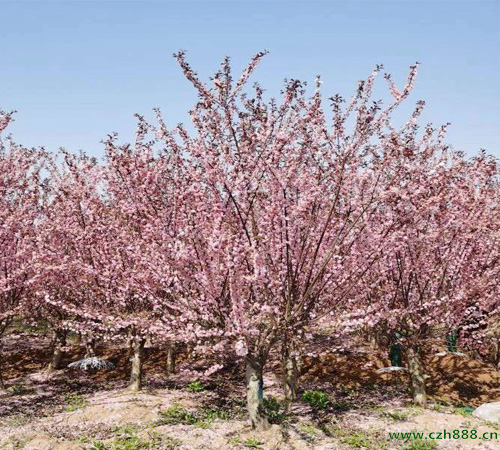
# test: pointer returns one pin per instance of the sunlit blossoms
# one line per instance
(267, 221)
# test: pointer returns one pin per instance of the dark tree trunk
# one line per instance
(3, 388)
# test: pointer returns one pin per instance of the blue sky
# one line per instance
(76, 71)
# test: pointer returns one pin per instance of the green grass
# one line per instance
(397, 416)
(127, 439)
(176, 415)
(75, 402)
(248, 443)
(309, 431)
(201, 418)
(252, 443)
(419, 444)
(357, 440)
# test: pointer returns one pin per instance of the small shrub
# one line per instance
(316, 399)
(340, 405)
(196, 386)
(274, 410)
(465, 411)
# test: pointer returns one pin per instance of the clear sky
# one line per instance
(76, 71)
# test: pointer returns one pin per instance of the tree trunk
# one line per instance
(3, 389)
(57, 355)
(291, 364)
(171, 359)
(417, 377)
(496, 355)
(137, 361)
(395, 355)
(90, 348)
(255, 394)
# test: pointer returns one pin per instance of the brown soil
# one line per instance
(452, 379)
(57, 410)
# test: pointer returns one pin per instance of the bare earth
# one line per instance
(74, 410)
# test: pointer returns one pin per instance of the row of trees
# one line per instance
(242, 236)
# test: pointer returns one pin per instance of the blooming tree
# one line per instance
(20, 200)
(441, 256)
(280, 203)
(246, 234)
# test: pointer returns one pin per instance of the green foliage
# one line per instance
(248, 443)
(316, 399)
(360, 439)
(252, 443)
(465, 411)
(19, 389)
(201, 418)
(196, 386)
(210, 414)
(75, 402)
(126, 429)
(126, 439)
(176, 415)
(130, 442)
(275, 411)
(420, 444)
(397, 416)
(357, 440)
(17, 420)
(340, 405)
(309, 431)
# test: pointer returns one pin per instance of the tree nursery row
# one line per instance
(249, 231)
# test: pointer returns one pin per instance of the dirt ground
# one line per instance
(76, 410)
